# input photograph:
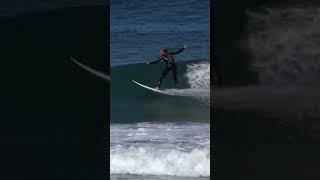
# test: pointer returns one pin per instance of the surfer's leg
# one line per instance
(164, 73)
(175, 78)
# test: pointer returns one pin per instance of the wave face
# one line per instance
(171, 149)
(190, 103)
(290, 52)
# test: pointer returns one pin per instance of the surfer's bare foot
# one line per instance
(157, 88)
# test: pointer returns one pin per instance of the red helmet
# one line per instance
(164, 50)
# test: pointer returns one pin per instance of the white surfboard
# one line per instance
(147, 87)
(91, 70)
(199, 93)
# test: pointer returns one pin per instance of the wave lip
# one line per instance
(198, 75)
(198, 79)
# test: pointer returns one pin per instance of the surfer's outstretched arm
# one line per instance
(154, 62)
(177, 52)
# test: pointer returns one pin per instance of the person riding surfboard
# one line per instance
(168, 58)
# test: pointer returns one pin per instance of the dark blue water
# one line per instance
(166, 137)
(140, 28)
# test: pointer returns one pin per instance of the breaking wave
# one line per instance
(173, 149)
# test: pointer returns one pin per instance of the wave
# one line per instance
(198, 75)
(129, 97)
(198, 78)
(193, 75)
(156, 161)
(173, 149)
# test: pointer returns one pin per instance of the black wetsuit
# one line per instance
(171, 65)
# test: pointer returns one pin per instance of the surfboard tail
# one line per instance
(147, 87)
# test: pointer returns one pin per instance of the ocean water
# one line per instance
(140, 28)
(159, 136)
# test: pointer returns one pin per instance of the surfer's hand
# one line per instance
(184, 46)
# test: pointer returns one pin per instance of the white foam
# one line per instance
(198, 76)
(160, 149)
(142, 160)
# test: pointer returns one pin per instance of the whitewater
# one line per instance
(198, 76)
(160, 149)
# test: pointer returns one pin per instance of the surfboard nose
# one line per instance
(91, 70)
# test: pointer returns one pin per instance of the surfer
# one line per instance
(168, 58)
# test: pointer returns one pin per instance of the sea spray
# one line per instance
(198, 75)
(198, 79)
